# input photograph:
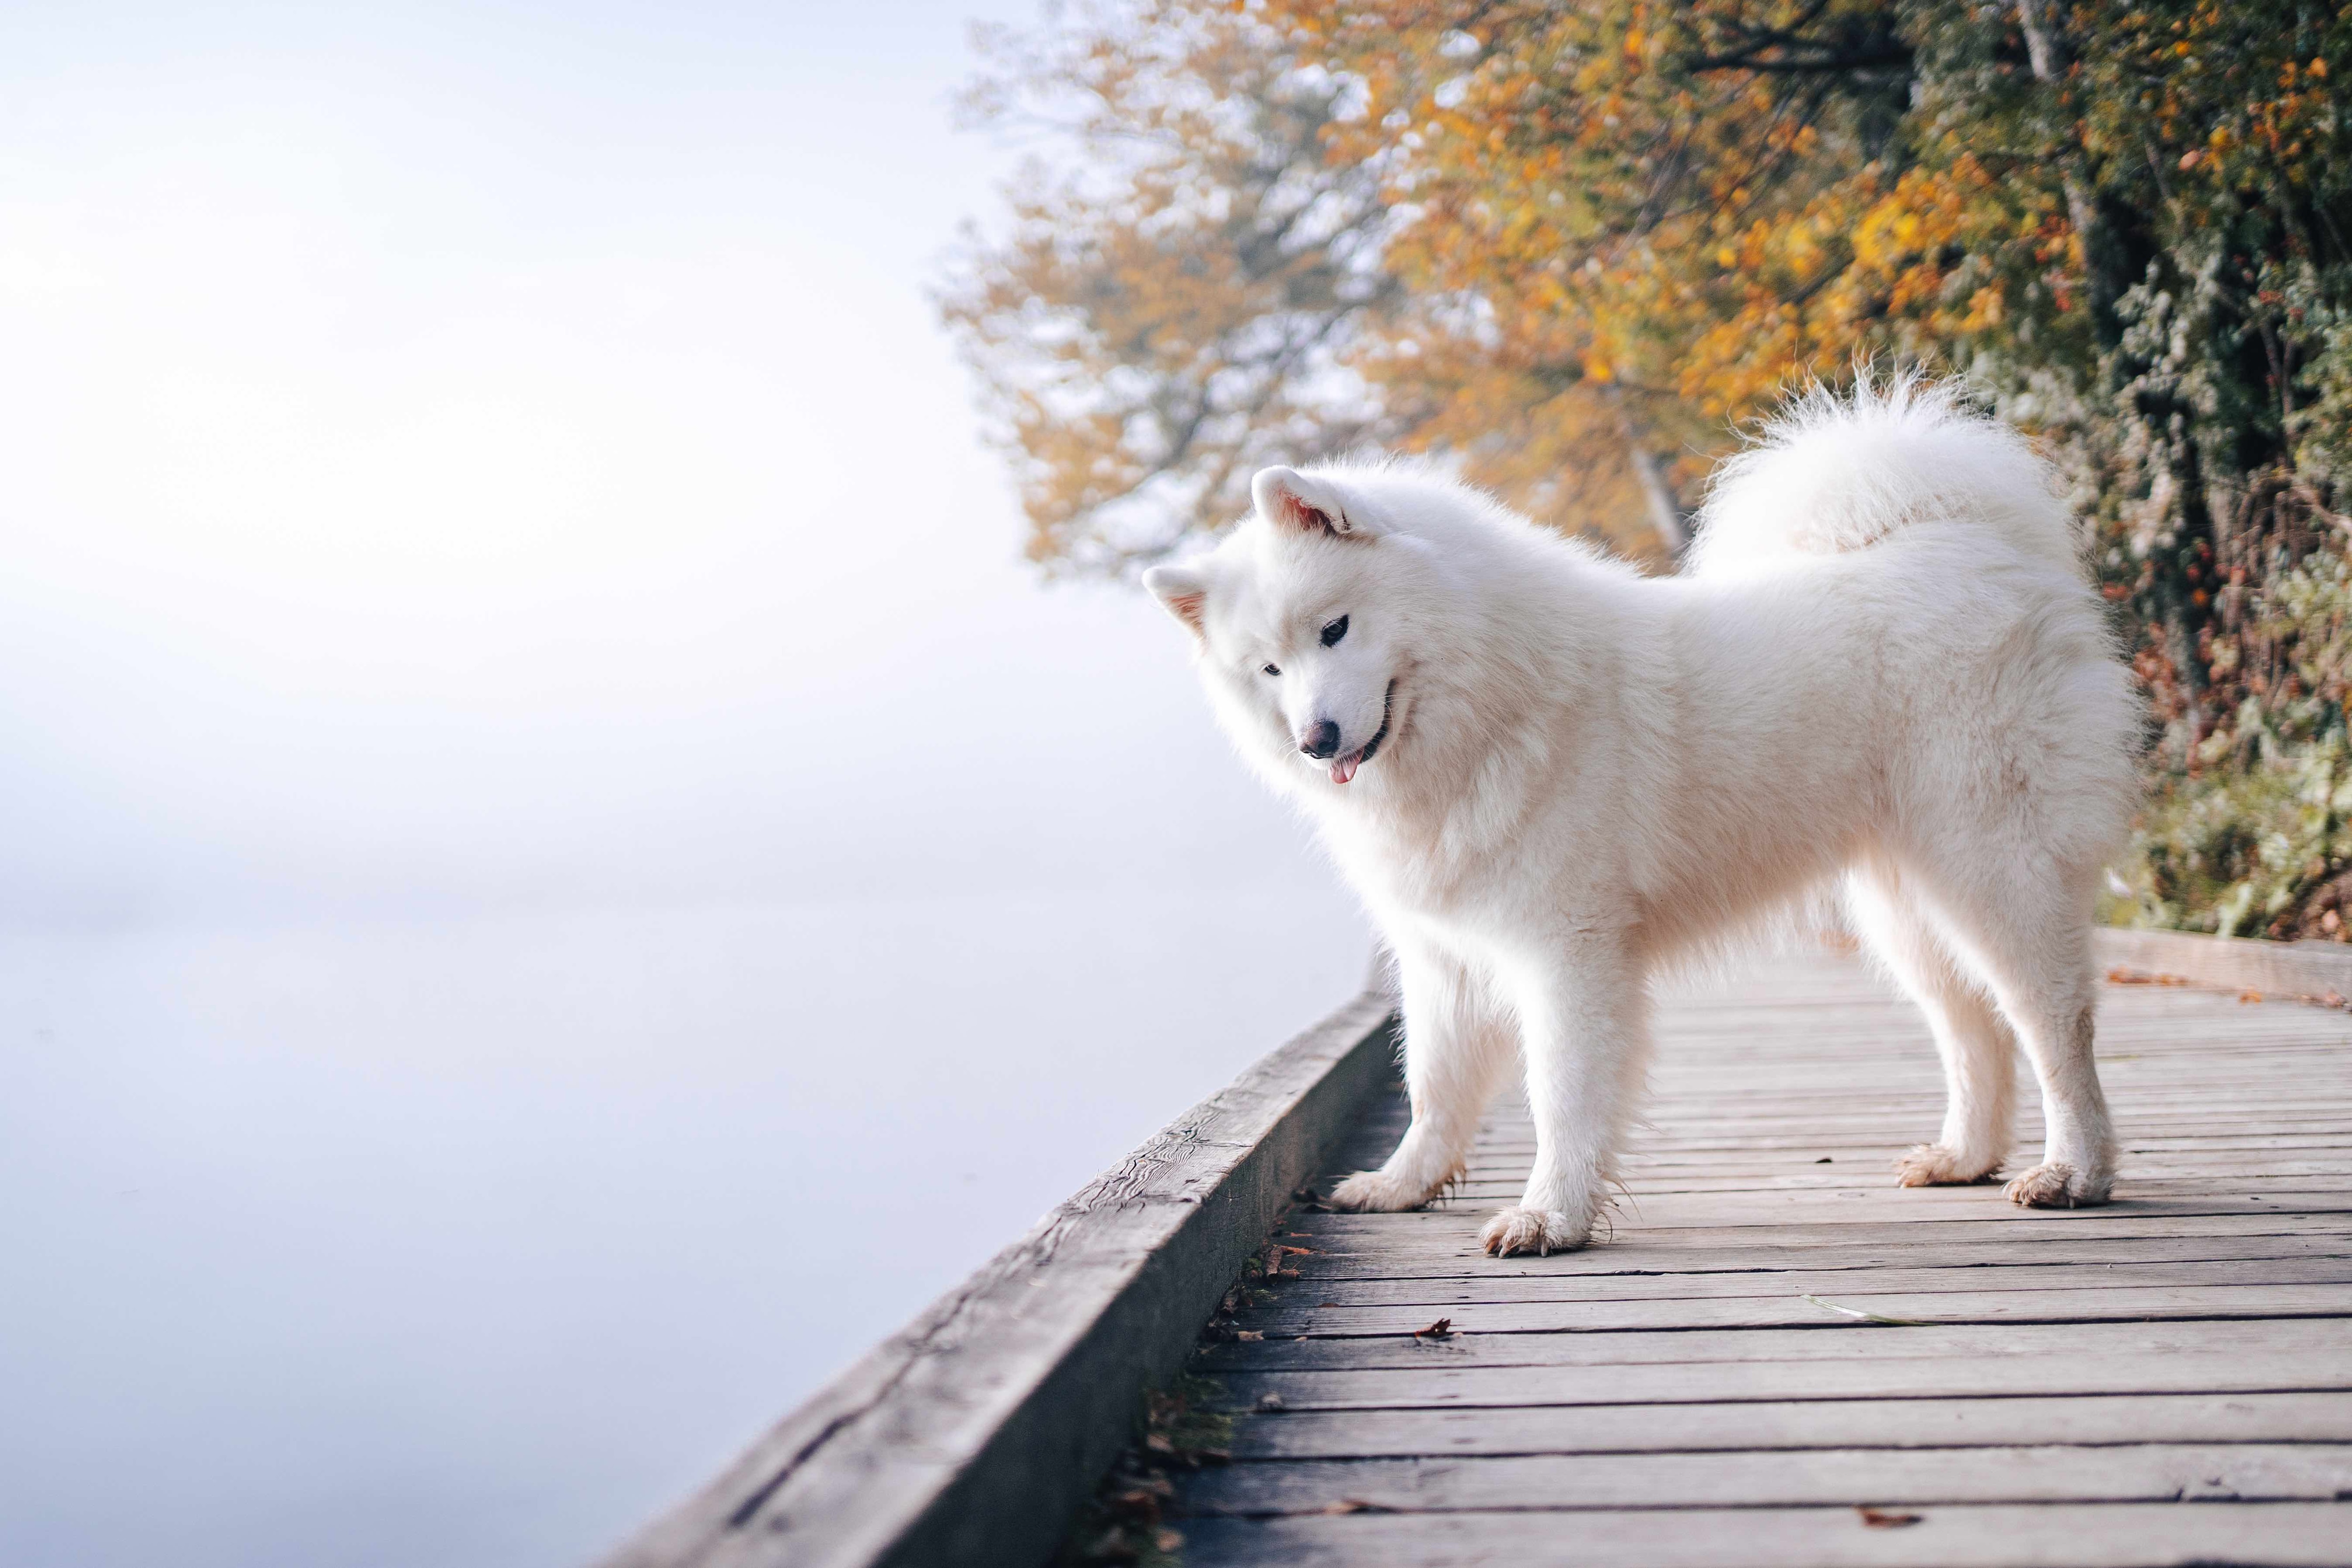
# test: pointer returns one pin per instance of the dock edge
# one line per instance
(970, 1436)
(2285, 970)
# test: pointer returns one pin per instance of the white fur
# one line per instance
(1882, 665)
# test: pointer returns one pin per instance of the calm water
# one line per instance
(475, 1241)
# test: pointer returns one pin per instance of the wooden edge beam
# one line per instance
(972, 1434)
(2281, 971)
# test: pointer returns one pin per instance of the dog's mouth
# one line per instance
(1344, 767)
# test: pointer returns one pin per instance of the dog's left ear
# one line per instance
(1289, 500)
(1184, 590)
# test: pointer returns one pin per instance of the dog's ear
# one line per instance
(1184, 590)
(1289, 500)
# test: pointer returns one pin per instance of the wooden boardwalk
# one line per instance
(1781, 1358)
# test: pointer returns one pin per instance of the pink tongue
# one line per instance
(1345, 768)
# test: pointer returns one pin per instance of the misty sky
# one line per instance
(557, 877)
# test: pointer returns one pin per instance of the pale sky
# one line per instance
(488, 453)
(558, 876)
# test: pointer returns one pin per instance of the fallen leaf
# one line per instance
(1248, 1335)
(1441, 1329)
(1880, 1519)
(1865, 1317)
(1353, 1505)
(2250, 996)
(1158, 1444)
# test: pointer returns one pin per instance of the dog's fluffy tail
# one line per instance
(1837, 473)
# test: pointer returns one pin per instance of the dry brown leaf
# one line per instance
(1881, 1519)
(1353, 1505)
(1248, 1335)
(1441, 1329)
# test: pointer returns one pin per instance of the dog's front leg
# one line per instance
(1585, 1029)
(1457, 1045)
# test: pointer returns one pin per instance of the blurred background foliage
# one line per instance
(1572, 246)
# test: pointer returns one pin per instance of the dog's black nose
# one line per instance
(1322, 740)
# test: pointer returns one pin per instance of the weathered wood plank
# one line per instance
(1793, 1310)
(1493, 1392)
(1890, 1206)
(1402, 1269)
(2109, 1535)
(1884, 1422)
(2146, 1472)
(1337, 1302)
(1337, 1234)
(1504, 1185)
(2201, 1348)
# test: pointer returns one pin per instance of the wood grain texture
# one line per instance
(2097, 1535)
(2166, 1379)
(970, 1436)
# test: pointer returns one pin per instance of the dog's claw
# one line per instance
(1540, 1231)
(1933, 1165)
(2055, 1185)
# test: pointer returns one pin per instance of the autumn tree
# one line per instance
(1571, 245)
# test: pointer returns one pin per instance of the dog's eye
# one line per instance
(1273, 670)
(1335, 631)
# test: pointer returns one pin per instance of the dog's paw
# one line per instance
(1377, 1192)
(1933, 1165)
(2057, 1186)
(1535, 1230)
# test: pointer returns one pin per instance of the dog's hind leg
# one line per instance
(2028, 934)
(1978, 1051)
(1457, 1046)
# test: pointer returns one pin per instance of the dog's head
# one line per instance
(1300, 625)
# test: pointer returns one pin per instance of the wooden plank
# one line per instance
(1487, 1394)
(1504, 1186)
(2146, 1472)
(1892, 1206)
(1793, 1310)
(1415, 1298)
(2109, 1535)
(1336, 1235)
(1882, 1422)
(970, 1436)
(2204, 1348)
(1638, 1255)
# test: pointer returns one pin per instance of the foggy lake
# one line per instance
(560, 877)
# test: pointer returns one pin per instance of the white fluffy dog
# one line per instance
(1548, 774)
